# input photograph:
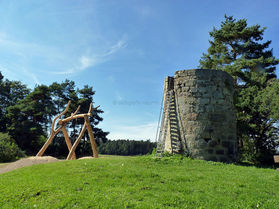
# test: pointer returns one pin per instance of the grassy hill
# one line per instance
(139, 182)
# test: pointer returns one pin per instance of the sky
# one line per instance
(123, 48)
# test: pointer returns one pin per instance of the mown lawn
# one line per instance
(139, 182)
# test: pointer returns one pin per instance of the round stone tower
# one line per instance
(199, 115)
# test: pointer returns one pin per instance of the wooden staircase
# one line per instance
(174, 127)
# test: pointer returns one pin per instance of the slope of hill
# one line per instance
(139, 182)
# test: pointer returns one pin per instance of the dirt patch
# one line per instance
(87, 157)
(27, 162)
(3, 165)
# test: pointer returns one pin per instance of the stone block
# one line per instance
(212, 158)
(206, 95)
(194, 152)
(203, 116)
(204, 101)
(210, 151)
(200, 144)
(213, 143)
(209, 108)
(191, 101)
(191, 82)
(231, 149)
(191, 116)
(224, 159)
(218, 95)
(232, 138)
(217, 117)
(225, 144)
(220, 152)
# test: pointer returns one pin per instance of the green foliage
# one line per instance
(239, 50)
(139, 182)
(28, 118)
(154, 151)
(10, 93)
(9, 151)
(126, 147)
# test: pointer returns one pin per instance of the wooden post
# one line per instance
(276, 160)
(91, 136)
(53, 132)
(68, 142)
(77, 141)
(52, 135)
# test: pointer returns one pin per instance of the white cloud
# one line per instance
(8, 73)
(26, 51)
(136, 132)
(118, 97)
(111, 79)
(34, 77)
(86, 61)
(145, 12)
(18, 76)
(119, 45)
(67, 72)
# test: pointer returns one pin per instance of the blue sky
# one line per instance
(123, 48)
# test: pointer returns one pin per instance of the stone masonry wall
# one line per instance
(205, 115)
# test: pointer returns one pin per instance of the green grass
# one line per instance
(139, 182)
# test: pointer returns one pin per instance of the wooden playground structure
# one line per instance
(62, 126)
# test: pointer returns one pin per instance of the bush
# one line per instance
(9, 151)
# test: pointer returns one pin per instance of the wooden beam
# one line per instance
(76, 111)
(58, 116)
(91, 136)
(77, 141)
(68, 141)
(66, 120)
(276, 158)
(47, 143)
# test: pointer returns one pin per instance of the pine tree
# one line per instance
(10, 93)
(28, 119)
(239, 49)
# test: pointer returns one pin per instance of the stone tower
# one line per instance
(199, 116)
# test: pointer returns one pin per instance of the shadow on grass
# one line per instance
(248, 164)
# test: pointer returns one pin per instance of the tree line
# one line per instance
(127, 147)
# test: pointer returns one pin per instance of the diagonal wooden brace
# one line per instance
(68, 141)
(77, 142)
